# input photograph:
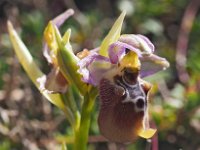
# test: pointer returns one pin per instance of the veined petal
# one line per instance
(59, 20)
(98, 69)
(113, 35)
(93, 67)
(54, 82)
(83, 66)
(148, 42)
(138, 41)
(118, 49)
(50, 46)
(152, 64)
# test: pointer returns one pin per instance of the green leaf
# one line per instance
(30, 66)
(68, 61)
(113, 35)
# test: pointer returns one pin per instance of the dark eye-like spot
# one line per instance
(140, 103)
(130, 75)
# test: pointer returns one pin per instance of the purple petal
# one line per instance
(147, 41)
(139, 42)
(59, 20)
(117, 51)
(93, 67)
(142, 46)
(152, 64)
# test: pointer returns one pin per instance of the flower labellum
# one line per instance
(124, 101)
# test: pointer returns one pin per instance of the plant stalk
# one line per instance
(81, 135)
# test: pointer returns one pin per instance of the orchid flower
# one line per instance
(117, 70)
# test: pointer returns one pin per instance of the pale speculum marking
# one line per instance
(133, 93)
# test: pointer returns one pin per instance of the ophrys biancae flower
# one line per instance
(118, 73)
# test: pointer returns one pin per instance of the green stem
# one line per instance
(81, 135)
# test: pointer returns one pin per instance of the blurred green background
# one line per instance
(28, 121)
